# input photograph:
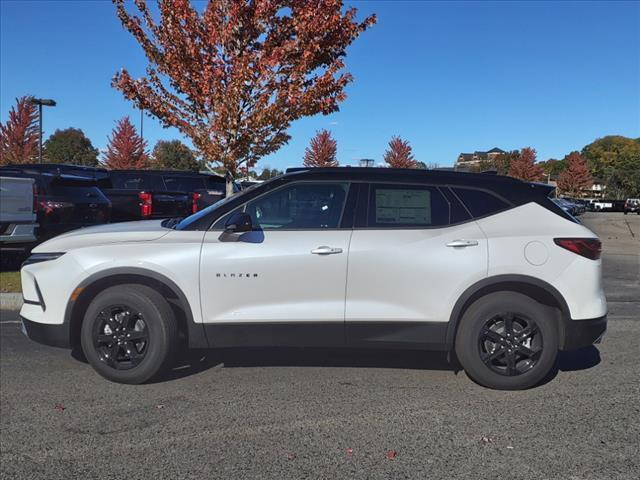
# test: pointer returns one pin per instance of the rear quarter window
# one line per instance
(481, 203)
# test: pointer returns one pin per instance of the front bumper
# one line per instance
(47, 334)
(583, 333)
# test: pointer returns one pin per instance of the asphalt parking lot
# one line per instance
(333, 414)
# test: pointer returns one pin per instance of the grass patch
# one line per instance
(10, 282)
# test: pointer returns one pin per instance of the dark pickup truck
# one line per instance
(62, 201)
(148, 194)
(143, 195)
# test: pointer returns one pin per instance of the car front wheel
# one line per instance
(129, 334)
(507, 341)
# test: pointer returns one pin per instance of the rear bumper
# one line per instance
(47, 334)
(582, 333)
(19, 233)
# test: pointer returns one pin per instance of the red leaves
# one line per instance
(575, 176)
(525, 168)
(391, 454)
(399, 154)
(59, 407)
(233, 78)
(19, 136)
(126, 148)
(322, 151)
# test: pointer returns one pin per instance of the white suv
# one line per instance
(482, 265)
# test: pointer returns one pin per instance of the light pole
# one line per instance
(40, 102)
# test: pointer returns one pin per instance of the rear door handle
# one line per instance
(463, 243)
(324, 250)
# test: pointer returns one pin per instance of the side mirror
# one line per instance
(239, 222)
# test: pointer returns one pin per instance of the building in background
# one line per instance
(466, 161)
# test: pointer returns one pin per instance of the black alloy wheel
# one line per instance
(510, 344)
(121, 337)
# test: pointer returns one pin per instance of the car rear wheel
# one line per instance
(129, 334)
(507, 341)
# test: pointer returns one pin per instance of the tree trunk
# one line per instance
(229, 183)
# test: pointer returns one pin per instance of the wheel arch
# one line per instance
(92, 285)
(533, 287)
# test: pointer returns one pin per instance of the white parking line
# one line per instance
(11, 321)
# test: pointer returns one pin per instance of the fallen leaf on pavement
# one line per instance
(487, 440)
(59, 407)
(349, 451)
(391, 454)
(291, 456)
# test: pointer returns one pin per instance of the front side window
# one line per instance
(300, 206)
(407, 206)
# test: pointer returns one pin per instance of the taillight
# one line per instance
(146, 204)
(48, 206)
(194, 201)
(587, 247)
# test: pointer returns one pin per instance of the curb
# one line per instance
(10, 301)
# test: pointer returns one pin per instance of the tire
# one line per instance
(484, 346)
(129, 334)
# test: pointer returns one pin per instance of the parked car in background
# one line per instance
(566, 206)
(63, 202)
(18, 219)
(581, 205)
(143, 195)
(632, 205)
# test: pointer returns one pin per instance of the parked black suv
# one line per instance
(63, 202)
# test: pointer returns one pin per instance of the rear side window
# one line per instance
(479, 202)
(136, 181)
(407, 206)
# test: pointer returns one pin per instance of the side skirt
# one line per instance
(402, 335)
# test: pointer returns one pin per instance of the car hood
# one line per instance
(141, 231)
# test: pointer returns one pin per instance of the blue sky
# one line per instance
(448, 77)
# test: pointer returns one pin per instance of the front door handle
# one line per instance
(463, 243)
(324, 250)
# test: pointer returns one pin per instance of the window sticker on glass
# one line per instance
(411, 207)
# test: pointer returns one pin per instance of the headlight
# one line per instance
(41, 257)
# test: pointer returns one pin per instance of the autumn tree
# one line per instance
(575, 176)
(126, 148)
(322, 150)
(19, 135)
(268, 173)
(524, 166)
(399, 154)
(70, 146)
(173, 155)
(615, 160)
(233, 76)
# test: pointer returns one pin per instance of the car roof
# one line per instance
(512, 189)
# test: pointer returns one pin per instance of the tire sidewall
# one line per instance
(472, 323)
(156, 314)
